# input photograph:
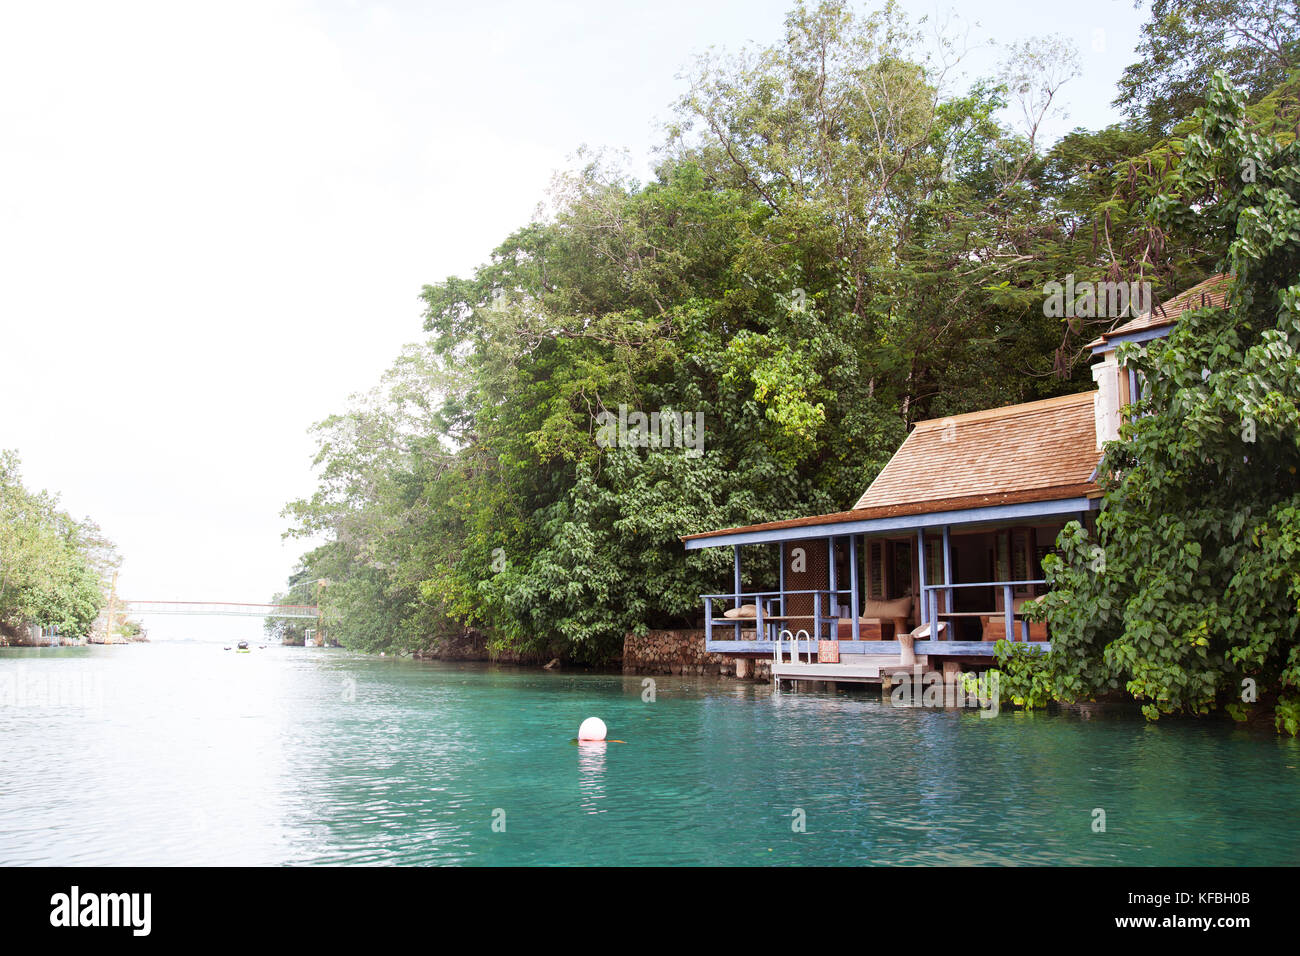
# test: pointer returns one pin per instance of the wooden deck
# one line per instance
(862, 671)
(868, 650)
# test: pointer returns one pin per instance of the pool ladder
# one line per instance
(779, 651)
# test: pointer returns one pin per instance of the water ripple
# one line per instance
(183, 755)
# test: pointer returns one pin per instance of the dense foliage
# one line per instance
(52, 567)
(1255, 44)
(1188, 593)
(835, 244)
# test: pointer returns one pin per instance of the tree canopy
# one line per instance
(835, 244)
(52, 566)
(1187, 595)
(1255, 44)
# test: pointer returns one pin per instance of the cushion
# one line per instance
(995, 629)
(898, 607)
(923, 632)
(745, 610)
(871, 630)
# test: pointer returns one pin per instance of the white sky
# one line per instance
(215, 219)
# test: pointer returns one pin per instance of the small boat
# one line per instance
(241, 647)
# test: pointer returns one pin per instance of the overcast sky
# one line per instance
(215, 220)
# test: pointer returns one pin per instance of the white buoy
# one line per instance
(593, 728)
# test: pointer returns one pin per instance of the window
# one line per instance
(876, 570)
(934, 561)
(900, 580)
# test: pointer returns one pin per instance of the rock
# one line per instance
(555, 662)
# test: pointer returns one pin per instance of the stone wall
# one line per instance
(682, 652)
(658, 652)
(472, 646)
(27, 635)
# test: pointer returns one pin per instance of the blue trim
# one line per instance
(880, 648)
(920, 570)
(782, 584)
(1146, 335)
(989, 514)
(833, 598)
(736, 604)
(947, 568)
(855, 614)
(1009, 599)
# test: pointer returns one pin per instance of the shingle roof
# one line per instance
(1038, 451)
(1210, 292)
(1032, 447)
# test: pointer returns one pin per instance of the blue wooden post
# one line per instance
(1006, 606)
(853, 586)
(736, 603)
(817, 616)
(781, 586)
(920, 567)
(947, 568)
(708, 619)
(833, 612)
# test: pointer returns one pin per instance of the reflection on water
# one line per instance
(591, 774)
(185, 754)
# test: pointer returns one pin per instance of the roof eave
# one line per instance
(1038, 503)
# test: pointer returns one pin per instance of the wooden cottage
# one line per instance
(947, 544)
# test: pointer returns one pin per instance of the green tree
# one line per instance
(836, 244)
(1188, 593)
(1254, 43)
(52, 567)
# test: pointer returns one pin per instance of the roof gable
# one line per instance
(1211, 292)
(1018, 451)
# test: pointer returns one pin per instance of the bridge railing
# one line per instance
(223, 608)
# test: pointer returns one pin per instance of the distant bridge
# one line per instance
(223, 608)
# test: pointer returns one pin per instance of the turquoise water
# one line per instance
(188, 754)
